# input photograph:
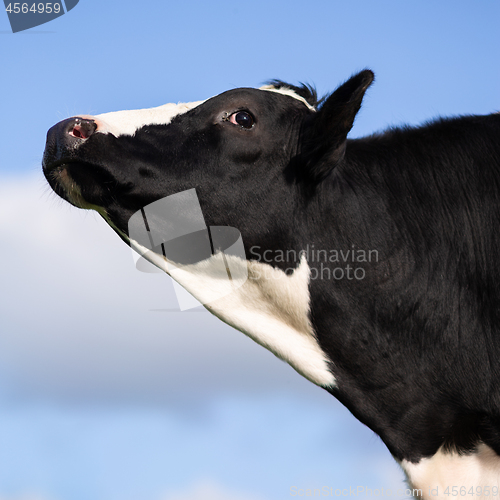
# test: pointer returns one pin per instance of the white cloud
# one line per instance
(25, 496)
(79, 321)
(209, 490)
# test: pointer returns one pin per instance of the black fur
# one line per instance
(308, 92)
(415, 343)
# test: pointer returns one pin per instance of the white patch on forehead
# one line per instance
(270, 307)
(128, 122)
(441, 476)
(287, 91)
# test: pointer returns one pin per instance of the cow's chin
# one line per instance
(65, 186)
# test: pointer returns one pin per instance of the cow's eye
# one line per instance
(242, 118)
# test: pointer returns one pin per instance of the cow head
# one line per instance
(245, 151)
(255, 158)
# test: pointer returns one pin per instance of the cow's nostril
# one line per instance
(82, 129)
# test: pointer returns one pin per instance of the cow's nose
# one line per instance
(81, 128)
(64, 138)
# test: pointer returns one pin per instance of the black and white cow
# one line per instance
(372, 263)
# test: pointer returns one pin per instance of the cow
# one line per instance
(371, 264)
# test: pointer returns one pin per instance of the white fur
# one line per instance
(479, 471)
(128, 122)
(270, 307)
(288, 91)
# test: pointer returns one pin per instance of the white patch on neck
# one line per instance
(270, 307)
(287, 91)
(459, 473)
(128, 122)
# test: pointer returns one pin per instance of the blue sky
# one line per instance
(100, 396)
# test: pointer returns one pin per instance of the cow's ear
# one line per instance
(324, 135)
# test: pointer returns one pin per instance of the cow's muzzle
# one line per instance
(61, 154)
(63, 139)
